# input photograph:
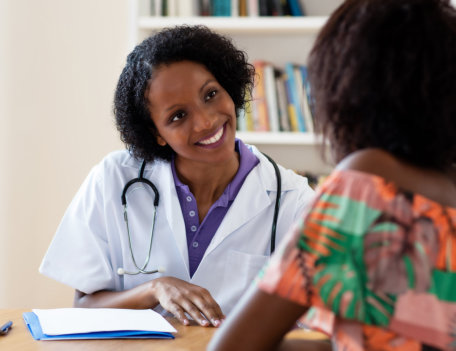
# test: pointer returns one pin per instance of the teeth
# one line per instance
(213, 139)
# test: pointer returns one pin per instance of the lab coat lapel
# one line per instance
(171, 205)
(250, 201)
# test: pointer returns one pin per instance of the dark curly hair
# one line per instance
(194, 43)
(383, 75)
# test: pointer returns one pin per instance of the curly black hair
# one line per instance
(383, 75)
(193, 43)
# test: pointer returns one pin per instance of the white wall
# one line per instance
(60, 61)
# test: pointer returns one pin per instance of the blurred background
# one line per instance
(59, 64)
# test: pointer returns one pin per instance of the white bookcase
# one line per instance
(275, 39)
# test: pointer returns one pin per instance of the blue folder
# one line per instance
(34, 326)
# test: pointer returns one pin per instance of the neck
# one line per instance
(207, 182)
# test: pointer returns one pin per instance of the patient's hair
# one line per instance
(383, 75)
(194, 43)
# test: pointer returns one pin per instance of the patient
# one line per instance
(373, 262)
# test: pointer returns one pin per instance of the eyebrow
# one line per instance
(207, 82)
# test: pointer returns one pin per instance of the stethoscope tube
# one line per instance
(277, 202)
(141, 179)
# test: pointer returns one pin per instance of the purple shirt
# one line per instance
(200, 235)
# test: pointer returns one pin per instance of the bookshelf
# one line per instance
(275, 39)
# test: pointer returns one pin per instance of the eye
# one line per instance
(211, 94)
(177, 116)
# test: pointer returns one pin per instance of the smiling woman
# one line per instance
(176, 106)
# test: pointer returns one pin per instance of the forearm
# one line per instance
(140, 297)
(259, 322)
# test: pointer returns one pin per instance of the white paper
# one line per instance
(86, 320)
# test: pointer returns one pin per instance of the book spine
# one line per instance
(243, 8)
(282, 102)
(241, 124)
(293, 91)
(259, 98)
(290, 107)
(234, 8)
(306, 100)
(252, 8)
(295, 8)
(271, 97)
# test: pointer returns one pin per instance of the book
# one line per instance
(241, 121)
(156, 8)
(290, 107)
(306, 99)
(252, 8)
(186, 8)
(284, 121)
(97, 323)
(293, 91)
(205, 8)
(234, 8)
(260, 108)
(271, 97)
(243, 8)
(295, 8)
(221, 7)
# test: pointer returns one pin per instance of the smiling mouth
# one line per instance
(213, 139)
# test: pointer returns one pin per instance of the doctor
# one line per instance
(175, 105)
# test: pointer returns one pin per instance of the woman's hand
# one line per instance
(179, 297)
(174, 295)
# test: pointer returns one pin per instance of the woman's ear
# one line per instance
(161, 141)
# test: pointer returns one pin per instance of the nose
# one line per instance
(204, 119)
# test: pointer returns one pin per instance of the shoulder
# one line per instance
(377, 162)
(432, 184)
(122, 161)
(373, 161)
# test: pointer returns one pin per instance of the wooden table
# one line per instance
(187, 338)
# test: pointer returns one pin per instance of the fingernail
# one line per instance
(215, 322)
(186, 322)
(204, 322)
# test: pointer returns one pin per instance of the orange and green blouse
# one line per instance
(375, 264)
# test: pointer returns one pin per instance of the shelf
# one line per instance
(244, 25)
(279, 138)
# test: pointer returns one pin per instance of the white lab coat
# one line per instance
(91, 242)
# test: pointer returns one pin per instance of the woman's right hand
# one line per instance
(179, 297)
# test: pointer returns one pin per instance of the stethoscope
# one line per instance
(141, 179)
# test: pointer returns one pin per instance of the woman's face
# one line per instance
(192, 112)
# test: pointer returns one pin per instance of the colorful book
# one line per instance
(294, 95)
(306, 99)
(291, 109)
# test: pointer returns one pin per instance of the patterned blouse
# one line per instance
(376, 265)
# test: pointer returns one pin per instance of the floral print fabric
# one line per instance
(376, 266)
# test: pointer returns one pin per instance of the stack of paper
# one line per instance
(97, 323)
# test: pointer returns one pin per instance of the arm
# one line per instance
(174, 295)
(259, 322)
